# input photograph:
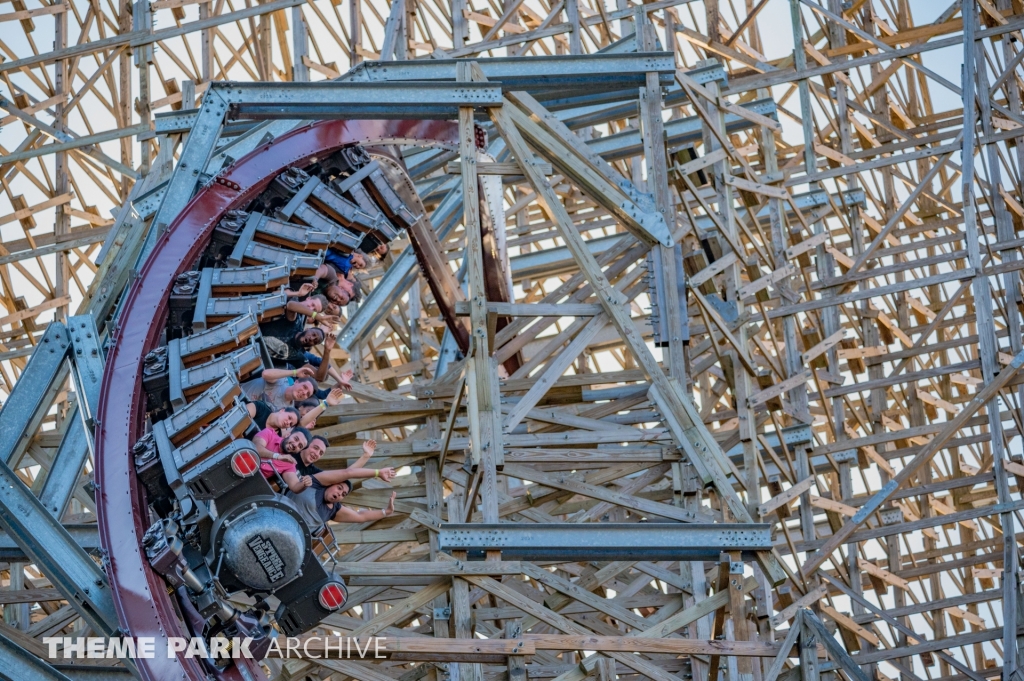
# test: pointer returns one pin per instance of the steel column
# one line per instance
(18, 663)
(41, 537)
(33, 394)
(87, 372)
(606, 541)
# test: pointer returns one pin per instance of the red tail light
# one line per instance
(332, 596)
(245, 463)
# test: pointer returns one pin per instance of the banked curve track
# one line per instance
(140, 595)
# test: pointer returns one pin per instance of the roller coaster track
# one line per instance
(143, 605)
(839, 363)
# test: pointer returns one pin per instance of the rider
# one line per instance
(264, 416)
(277, 452)
(318, 493)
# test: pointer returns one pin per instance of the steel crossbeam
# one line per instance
(18, 663)
(85, 536)
(33, 394)
(32, 526)
(87, 372)
(588, 73)
(332, 100)
(606, 541)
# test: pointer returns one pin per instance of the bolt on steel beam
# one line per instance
(606, 541)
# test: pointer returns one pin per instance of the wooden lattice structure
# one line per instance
(773, 285)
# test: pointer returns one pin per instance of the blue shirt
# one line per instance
(342, 263)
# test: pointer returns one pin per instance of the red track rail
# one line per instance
(140, 595)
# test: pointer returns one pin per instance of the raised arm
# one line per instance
(369, 447)
(325, 271)
(328, 478)
(303, 291)
(349, 515)
(261, 448)
(275, 375)
(298, 307)
(333, 399)
(296, 483)
(344, 380)
(325, 363)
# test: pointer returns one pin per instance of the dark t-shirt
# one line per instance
(312, 506)
(302, 469)
(283, 328)
(369, 243)
(263, 410)
(285, 353)
(329, 280)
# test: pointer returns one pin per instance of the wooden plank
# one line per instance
(848, 623)
(34, 310)
(804, 601)
(31, 210)
(29, 596)
(911, 468)
(56, 8)
(756, 187)
(762, 283)
(715, 268)
(534, 309)
(140, 38)
(635, 644)
(823, 347)
(604, 494)
(559, 622)
(497, 168)
(834, 506)
(787, 496)
(777, 389)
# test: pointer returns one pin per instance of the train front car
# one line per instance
(223, 533)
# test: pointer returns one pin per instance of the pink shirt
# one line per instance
(273, 440)
(268, 467)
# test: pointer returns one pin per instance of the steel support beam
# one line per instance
(87, 372)
(681, 132)
(193, 159)
(85, 536)
(330, 100)
(51, 547)
(33, 394)
(399, 276)
(592, 73)
(18, 663)
(41, 537)
(606, 541)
